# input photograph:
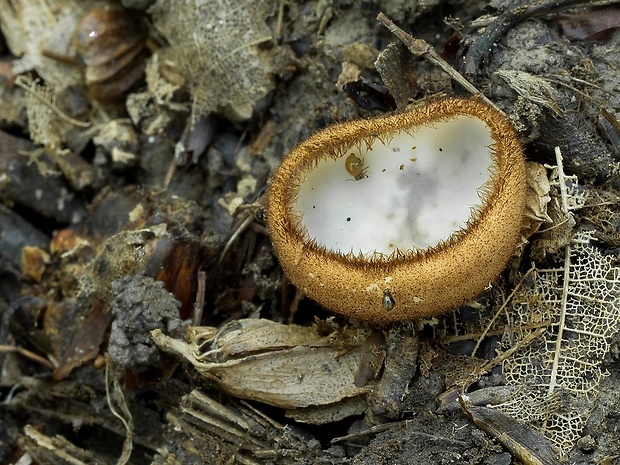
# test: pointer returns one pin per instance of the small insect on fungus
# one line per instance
(355, 167)
(388, 300)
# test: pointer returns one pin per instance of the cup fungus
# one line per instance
(402, 216)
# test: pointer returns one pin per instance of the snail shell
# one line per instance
(355, 166)
(110, 44)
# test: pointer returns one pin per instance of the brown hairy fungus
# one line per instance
(432, 221)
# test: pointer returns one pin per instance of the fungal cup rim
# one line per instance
(318, 147)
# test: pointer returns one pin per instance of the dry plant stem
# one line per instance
(526, 444)
(231, 432)
(26, 353)
(126, 417)
(261, 417)
(28, 86)
(235, 235)
(58, 447)
(479, 51)
(393, 426)
(421, 48)
(199, 304)
(566, 278)
(499, 311)
(582, 94)
(499, 332)
(218, 410)
(280, 20)
(187, 426)
(172, 169)
(297, 298)
(562, 323)
(562, 181)
(505, 355)
(224, 419)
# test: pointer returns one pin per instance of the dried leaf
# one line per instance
(533, 88)
(591, 25)
(580, 300)
(215, 46)
(528, 445)
(86, 341)
(537, 198)
(287, 366)
(566, 196)
(36, 29)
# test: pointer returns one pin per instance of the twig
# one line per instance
(480, 50)
(499, 332)
(421, 48)
(30, 88)
(242, 227)
(505, 355)
(26, 353)
(201, 293)
(391, 426)
(566, 281)
(126, 417)
(500, 310)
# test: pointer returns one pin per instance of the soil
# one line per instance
(145, 214)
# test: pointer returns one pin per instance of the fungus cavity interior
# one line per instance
(415, 189)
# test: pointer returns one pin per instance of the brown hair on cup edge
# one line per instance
(421, 283)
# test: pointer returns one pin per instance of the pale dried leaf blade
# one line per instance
(603, 211)
(215, 45)
(44, 125)
(566, 196)
(288, 366)
(582, 301)
(36, 28)
(291, 378)
(533, 88)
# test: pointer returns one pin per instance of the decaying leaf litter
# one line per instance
(108, 205)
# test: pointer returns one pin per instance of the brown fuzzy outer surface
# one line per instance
(422, 283)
